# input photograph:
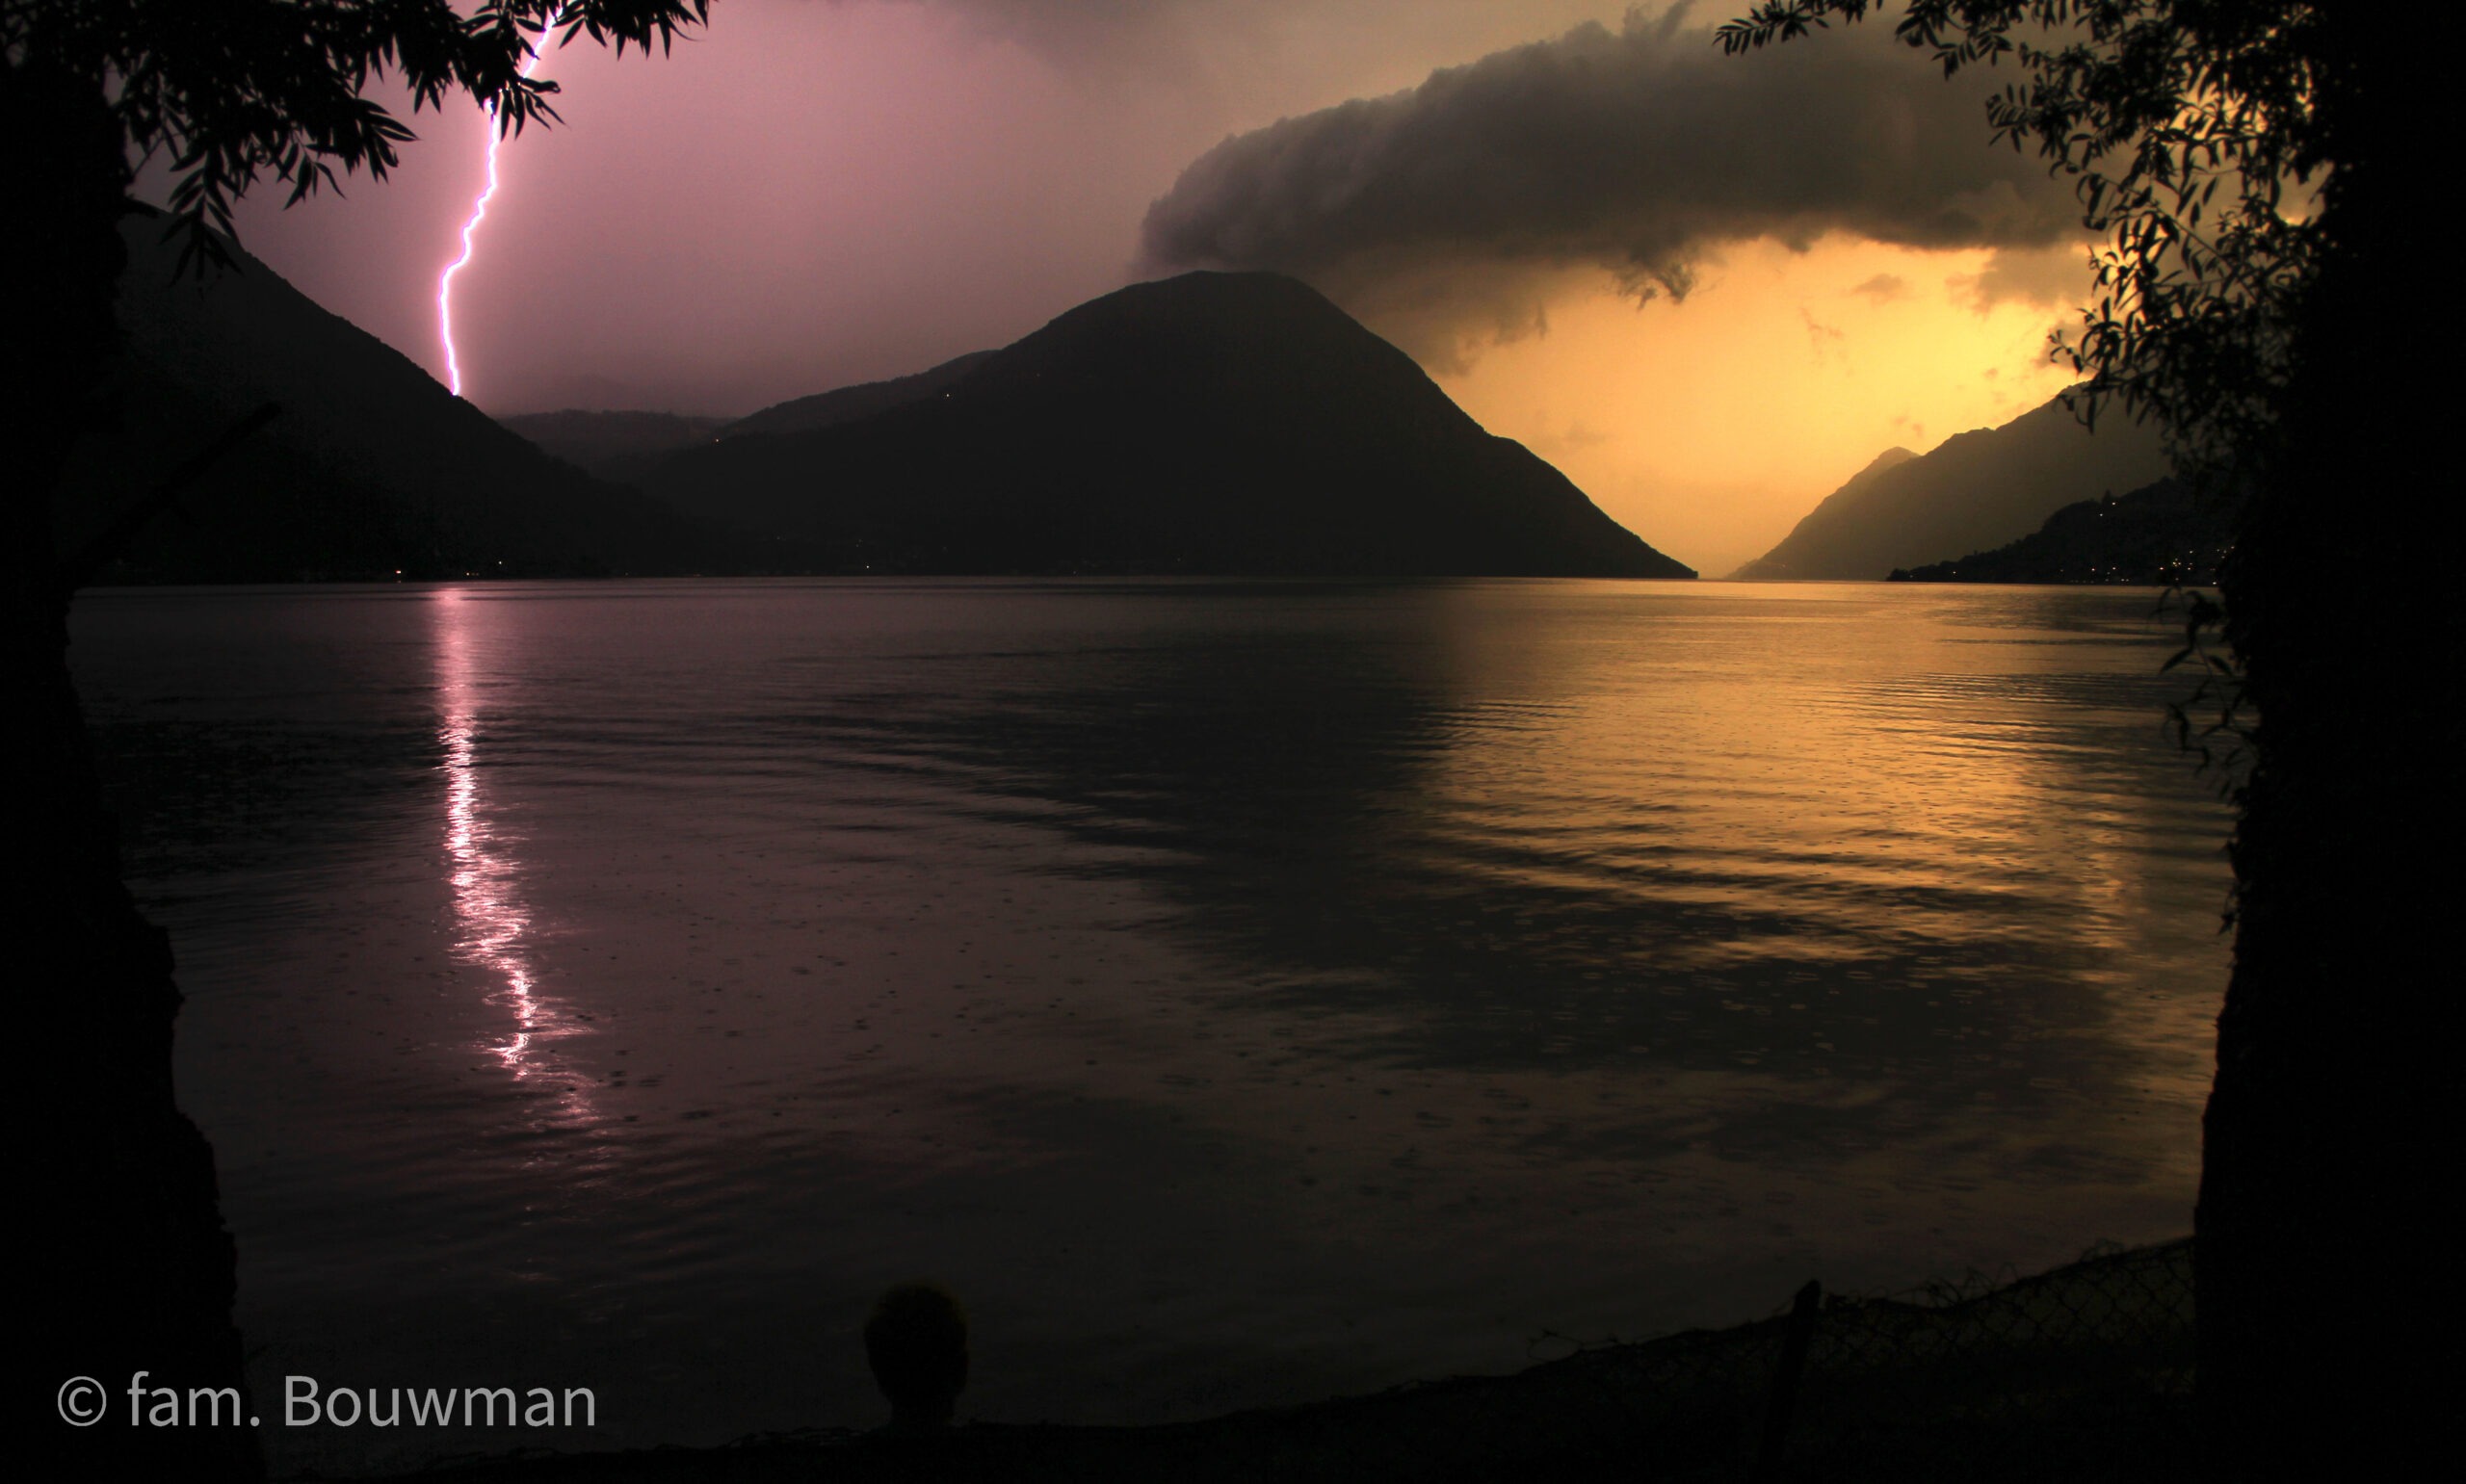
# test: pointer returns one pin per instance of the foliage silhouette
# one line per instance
(237, 91)
(133, 1267)
(2154, 107)
(2259, 177)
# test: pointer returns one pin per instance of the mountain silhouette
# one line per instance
(1213, 423)
(372, 469)
(1975, 491)
(612, 445)
(2157, 535)
(849, 403)
(622, 445)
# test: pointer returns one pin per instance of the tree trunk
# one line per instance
(2323, 1314)
(130, 1267)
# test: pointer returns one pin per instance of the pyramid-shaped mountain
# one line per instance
(1213, 423)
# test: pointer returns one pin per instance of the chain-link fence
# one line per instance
(2081, 1373)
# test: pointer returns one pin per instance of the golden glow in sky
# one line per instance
(1709, 426)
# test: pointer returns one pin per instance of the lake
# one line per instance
(1238, 993)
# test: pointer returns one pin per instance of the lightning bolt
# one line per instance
(479, 214)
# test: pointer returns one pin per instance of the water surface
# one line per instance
(1239, 993)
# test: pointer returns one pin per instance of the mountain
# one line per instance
(612, 445)
(1221, 423)
(846, 404)
(371, 469)
(1975, 491)
(621, 445)
(2157, 535)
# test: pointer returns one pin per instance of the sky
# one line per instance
(1710, 289)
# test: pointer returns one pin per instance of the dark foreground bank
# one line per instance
(2078, 1374)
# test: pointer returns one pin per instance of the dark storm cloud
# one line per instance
(1636, 150)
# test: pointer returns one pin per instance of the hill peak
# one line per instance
(1974, 491)
(1210, 421)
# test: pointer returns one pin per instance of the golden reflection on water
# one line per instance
(493, 925)
(1936, 770)
(1843, 802)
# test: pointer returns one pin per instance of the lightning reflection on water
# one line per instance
(492, 922)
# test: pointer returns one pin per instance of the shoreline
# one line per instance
(2082, 1372)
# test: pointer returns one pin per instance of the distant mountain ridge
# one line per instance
(1973, 492)
(621, 445)
(1212, 423)
(2158, 535)
(610, 444)
(371, 470)
(849, 403)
